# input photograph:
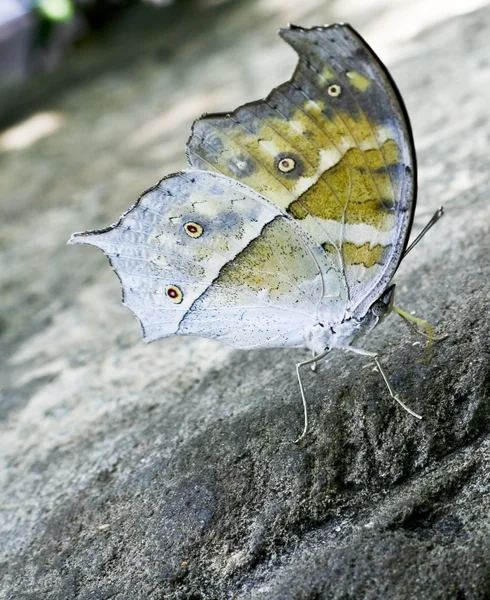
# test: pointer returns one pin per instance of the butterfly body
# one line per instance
(291, 222)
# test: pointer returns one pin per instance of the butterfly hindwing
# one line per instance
(200, 254)
(332, 147)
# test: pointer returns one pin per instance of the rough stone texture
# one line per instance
(167, 471)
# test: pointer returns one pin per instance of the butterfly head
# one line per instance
(383, 305)
(377, 312)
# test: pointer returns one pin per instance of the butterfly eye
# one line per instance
(334, 90)
(285, 165)
(174, 293)
(193, 229)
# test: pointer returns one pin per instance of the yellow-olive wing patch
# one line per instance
(331, 147)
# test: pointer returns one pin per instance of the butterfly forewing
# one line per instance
(332, 147)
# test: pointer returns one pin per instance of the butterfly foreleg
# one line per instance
(310, 361)
(374, 356)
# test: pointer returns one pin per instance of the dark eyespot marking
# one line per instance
(289, 165)
(174, 293)
(193, 230)
(285, 165)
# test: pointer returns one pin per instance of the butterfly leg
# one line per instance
(301, 389)
(374, 356)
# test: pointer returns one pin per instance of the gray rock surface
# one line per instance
(167, 471)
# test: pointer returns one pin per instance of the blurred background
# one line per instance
(38, 36)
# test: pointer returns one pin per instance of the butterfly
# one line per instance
(296, 211)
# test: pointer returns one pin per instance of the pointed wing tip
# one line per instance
(289, 31)
(82, 237)
(77, 238)
(90, 237)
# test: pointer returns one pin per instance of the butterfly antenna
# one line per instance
(435, 217)
(302, 391)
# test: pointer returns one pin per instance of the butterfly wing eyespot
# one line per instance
(334, 90)
(193, 229)
(286, 164)
(174, 293)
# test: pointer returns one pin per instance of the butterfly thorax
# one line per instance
(322, 337)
